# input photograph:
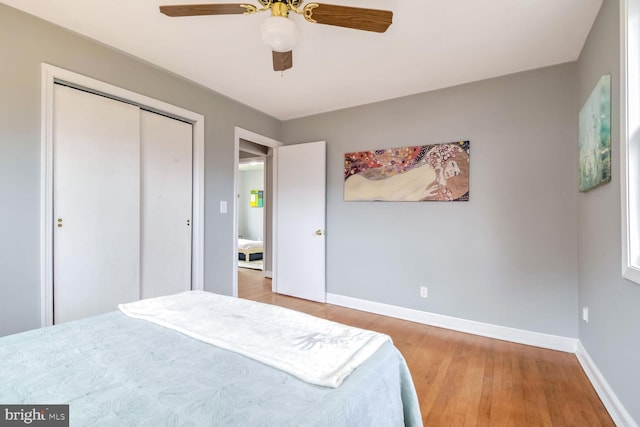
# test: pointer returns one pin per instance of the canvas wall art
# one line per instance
(436, 172)
(594, 137)
(257, 199)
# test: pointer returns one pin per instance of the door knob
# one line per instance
(319, 232)
(59, 222)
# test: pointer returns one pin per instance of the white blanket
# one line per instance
(249, 244)
(315, 350)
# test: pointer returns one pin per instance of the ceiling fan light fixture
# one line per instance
(279, 33)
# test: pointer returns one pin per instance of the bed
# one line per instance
(122, 368)
(250, 250)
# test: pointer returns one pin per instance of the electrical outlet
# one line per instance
(423, 291)
(585, 314)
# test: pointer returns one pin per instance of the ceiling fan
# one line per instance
(280, 33)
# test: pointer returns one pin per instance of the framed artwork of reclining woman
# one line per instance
(436, 172)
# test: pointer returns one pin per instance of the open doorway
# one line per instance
(251, 148)
(251, 218)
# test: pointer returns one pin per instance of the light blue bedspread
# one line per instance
(117, 371)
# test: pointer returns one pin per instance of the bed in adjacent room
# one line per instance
(250, 250)
(198, 358)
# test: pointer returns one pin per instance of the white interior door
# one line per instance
(166, 151)
(96, 204)
(300, 223)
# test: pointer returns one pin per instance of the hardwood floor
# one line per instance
(467, 380)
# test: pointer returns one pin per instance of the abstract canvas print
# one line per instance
(594, 137)
(257, 199)
(436, 172)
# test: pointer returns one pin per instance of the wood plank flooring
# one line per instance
(467, 380)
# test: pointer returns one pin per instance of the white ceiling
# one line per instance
(430, 45)
(251, 166)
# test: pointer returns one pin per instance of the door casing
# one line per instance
(248, 135)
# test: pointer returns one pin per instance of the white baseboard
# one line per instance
(618, 413)
(268, 274)
(553, 342)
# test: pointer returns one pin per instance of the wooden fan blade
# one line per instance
(350, 17)
(282, 60)
(203, 9)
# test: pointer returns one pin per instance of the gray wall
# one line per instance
(612, 335)
(506, 257)
(26, 42)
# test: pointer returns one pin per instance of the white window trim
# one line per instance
(630, 137)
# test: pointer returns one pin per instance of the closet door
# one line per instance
(96, 191)
(166, 150)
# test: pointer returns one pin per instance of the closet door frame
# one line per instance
(51, 75)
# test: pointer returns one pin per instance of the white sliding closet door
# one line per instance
(96, 193)
(166, 147)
